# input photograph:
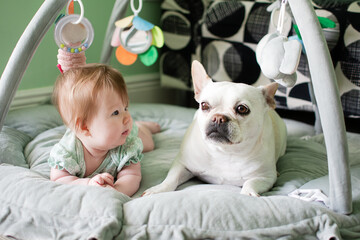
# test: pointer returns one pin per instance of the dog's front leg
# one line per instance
(257, 185)
(177, 175)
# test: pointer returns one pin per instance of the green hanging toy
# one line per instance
(134, 36)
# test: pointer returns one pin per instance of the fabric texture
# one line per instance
(33, 207)
(68, 154)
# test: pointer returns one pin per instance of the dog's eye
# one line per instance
(242, 109)
(205, 106)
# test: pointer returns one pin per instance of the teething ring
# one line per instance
(81, 11)
(71, 36)
(135, 11)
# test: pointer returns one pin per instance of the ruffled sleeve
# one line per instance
(65, 155)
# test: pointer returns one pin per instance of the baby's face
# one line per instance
(112, 123)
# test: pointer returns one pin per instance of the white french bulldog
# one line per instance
(236, 137)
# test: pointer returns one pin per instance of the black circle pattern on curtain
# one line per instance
(223, 35)
(224, 18)
(257, 24)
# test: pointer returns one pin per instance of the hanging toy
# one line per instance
(278, 56)
(134, 36)
(73, 34)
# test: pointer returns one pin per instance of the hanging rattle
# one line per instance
(278, 56)
(73, 34)
(134, 36)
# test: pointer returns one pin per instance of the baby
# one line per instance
(101, 144)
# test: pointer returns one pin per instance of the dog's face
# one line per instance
(230, 113)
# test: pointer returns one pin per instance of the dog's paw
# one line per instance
(249, 192)
(156, 189)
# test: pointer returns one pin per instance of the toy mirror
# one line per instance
(73, 33)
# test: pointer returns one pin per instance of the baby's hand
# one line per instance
(102, 179)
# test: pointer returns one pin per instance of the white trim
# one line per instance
(30, 97)
(37, 96)
(142, 78)
(142, 82)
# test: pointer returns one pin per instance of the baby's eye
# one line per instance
(115, 113)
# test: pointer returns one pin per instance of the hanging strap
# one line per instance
(281, 20)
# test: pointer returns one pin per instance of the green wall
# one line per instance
(42, 70)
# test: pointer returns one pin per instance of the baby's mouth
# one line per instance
(125, 133)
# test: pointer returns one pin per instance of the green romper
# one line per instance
(68, 154)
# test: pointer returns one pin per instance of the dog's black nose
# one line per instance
(219, 119)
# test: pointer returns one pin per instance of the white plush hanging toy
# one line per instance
(277, 56)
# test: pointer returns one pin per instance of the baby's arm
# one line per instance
(128, 179)
(63, 176)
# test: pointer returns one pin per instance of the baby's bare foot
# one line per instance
(153, 127)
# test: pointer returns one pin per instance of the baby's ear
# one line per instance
(80, 126)
(269, 94)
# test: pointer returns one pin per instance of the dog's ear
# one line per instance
(200, 78)
(269, 93)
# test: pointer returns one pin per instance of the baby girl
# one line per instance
(102, 146)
